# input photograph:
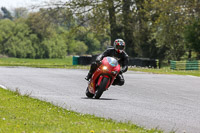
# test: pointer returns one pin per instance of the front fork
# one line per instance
(100, 80)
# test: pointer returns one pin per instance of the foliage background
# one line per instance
(159, 29)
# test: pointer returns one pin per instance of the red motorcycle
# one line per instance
(103, 77)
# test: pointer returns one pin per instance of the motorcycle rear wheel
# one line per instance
(101, 88)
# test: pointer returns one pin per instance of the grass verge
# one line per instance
(22, 114)
(62, 63)
(41, 63)
(167, 70)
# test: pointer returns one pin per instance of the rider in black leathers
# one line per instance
(118, 53)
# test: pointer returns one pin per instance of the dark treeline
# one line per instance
(160, 29)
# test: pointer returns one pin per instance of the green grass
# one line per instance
(22, 114)
(36, 62)
(167, 70)
(41, 63)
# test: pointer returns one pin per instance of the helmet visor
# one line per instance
(120, 47)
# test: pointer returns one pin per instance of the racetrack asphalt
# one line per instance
(168, 102)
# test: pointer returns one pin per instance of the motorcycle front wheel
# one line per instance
(101, 88)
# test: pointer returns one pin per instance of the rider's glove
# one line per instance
(98, 62)
(120, 72)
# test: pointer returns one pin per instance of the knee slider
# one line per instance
(121, 82)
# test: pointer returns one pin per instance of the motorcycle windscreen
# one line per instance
(112, 61)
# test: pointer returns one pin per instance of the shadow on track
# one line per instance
(98, 99)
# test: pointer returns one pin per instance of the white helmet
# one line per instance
(119, 45)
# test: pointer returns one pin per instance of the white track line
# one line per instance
(1, 86)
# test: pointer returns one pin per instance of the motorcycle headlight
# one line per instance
(105, 68)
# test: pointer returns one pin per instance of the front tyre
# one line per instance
(101, 88)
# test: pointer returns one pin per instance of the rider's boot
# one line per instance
(88, 77)
(93, 68)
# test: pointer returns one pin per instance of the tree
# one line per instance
(167, 20)
(60, 17)
(192, 37)
(6, 33)
(192, 9)
(54, 47)
(20, 12)
(115, 13)
(128, 27)
(89, 39)
(6, 13)
(77, 47)
(15, 39)
(40, 25)
(51, 45)
(112, 20)
(1, 16)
